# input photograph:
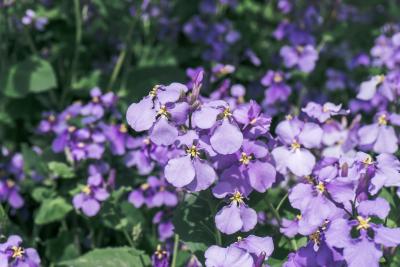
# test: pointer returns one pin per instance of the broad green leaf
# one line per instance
(110, 257)
(33, 75)
(52, 210)
(41, 194)
(61, 169)
(61, 248)
(194, 223)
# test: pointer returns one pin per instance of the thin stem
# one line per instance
(78, 39)
(31, 44)
(121, 57)
(175, 252)
(274, 212)
(128, 238)
(282, 201)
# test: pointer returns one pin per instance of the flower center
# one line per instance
(299, 217)
(300, 49)
(144, 186)
(10, 183)
(237, 198)
(382, 120)
(95, 99)
(368, 160)
(245, 159)
(227, 112)
(163, 111)
(295, 145)
(160, 253)
(316, 237)
(86, 189)
(153, 91)
(381, 78)
(123, 128)
(277, 78)
(18, 252)
(51, 118)
(239, 238)
(363, 223)
(193, 151)
(71, 129)
(80, 145)
(289, 117)
(320, 187)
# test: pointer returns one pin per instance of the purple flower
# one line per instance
(91, 196)
(230, 256)
(189, 169)
(379, 136)
(9, 191)
(95, 109)
(226, 137)
(237, 216)
(363, 250)
(12, 254)
(304, 57)
(336, 80)
(154, 193)
(160, 258)
(277, 89)
(158, 113)
(294, 134)
(322, 112)
(165, 228)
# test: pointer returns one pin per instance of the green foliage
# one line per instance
(33, 75)
(61, 169)
(110, 257)
(52, 210)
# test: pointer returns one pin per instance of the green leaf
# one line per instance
(41, 194)
(61, 248)
(110, 257)
(61, 169)
(52, 210)
(194, 223)
(33, 75)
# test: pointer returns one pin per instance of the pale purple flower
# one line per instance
(304, 57)
(322, 112)
(12, 254)
(295, 134)
(276, 88)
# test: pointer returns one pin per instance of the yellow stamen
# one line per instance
(80, 145)
(382, 120)
(368, 160)
(239, 238)
(51, 118)
(160, 253)
(193, 151)
(300, 49)
(289, 117)
(253, 121)
(144, 186)
(277, 78)
(18, 252)
(299, 217)
(71, 129)
(381, 78)
(227, 112)
(86, 189)
(363, 223)
(163, 111)
(245, 159)
(10, 183)
(320, 187)
(146, 141)
(95, 99)
(123, 128)
(295, 145)
(237, 198)
(315, 237)
(153, 91)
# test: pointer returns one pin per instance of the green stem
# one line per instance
(282, 201)
(31, 44)
(128, 238)
(274, 212)
(121, 57)
(175, 253)
(293, 243)
(78, 40)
